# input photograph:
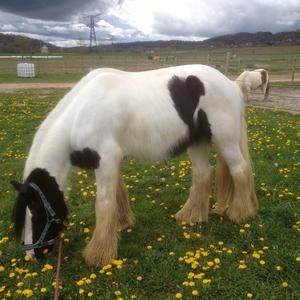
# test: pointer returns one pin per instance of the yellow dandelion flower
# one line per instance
(284, 284)
(117, 262)
(90, 294)
(242, 266)
(262, 262)
(107, 267)
(80, 282)
(178, 295)
(2, 268)
(43, 290)
(206, 281)
(27, 293)
(27, 258)
(139, 278)
(249, 295)
(195, 293)
(217, 260)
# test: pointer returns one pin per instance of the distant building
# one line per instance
(44, 49)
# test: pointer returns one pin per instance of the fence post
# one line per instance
(293, 69)
(208, 59)
(227, 63)
(239, 66)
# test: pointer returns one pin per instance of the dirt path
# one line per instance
(286, 99)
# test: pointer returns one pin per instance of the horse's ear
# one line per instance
(17, 185)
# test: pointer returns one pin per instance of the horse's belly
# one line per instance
(152, 144)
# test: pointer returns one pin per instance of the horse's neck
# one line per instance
(243, 76)
(52, 154)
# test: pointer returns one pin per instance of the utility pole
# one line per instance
(91, 25)
(93, 40)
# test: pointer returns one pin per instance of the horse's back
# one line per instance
(135, 108)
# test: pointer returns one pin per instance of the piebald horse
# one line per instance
(252, 80)
(112, 114)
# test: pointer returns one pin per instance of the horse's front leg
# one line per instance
(196, 207)
(103, 245)
(125, 214)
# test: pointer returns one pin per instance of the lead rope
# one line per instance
(58, 265)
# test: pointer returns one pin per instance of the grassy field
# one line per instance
(159, 259)
(278, 60)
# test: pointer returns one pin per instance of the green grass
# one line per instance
(12, 78)
(156, 191)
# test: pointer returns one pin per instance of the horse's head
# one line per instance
(39, 212)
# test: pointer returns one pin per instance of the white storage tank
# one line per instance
(25, 70)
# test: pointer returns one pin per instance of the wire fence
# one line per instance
(281, 64)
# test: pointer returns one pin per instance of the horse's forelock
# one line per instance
(19, 213)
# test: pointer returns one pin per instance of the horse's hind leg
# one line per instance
(102, 247)
(197, 206)
(240, 199)
(125, 214)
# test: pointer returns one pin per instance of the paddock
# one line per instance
(154, 189)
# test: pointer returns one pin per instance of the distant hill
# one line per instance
(242, 39)
(16, 43)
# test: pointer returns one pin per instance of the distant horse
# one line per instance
(252, 80)
(151, 115)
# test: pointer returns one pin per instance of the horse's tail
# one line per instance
(224, 181)
(265, 83)
(267, 90)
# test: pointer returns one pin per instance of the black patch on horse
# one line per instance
(29, 197)
(186, 96)
(85, 159)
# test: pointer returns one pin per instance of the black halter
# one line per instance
(50, 219)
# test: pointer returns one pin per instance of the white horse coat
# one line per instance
(111, 114)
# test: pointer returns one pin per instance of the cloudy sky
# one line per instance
(63, 22)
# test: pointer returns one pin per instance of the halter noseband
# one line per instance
(50, 219)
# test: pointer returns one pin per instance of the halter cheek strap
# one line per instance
(50, 219)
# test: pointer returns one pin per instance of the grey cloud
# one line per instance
(229, 18)
(55, 9)
(63, 31)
